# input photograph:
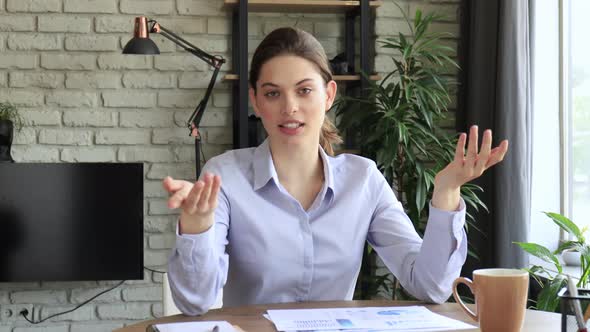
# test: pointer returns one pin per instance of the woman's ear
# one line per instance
(331, 88)
(252, 95)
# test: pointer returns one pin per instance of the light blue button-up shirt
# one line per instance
(265, 248)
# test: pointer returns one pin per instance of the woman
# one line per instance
(290, 221)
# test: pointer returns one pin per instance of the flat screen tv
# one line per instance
(71, 222)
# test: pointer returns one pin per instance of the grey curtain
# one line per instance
(495, 92)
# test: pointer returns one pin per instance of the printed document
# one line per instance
(371, 319)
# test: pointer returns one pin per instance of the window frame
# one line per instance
(565, 116)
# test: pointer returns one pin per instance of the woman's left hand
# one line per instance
(465, 168)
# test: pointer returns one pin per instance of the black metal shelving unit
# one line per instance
(240, 10)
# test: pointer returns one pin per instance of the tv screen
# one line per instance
(71, 222)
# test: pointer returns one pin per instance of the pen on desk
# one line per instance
(215, 328)
(573, 290)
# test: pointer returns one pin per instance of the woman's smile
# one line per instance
(291, 127)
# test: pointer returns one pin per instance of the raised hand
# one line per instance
(197, 201)
(466, 167)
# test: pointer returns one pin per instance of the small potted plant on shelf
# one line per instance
(553, 281)
(10, 120)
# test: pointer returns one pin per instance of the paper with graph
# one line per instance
(373, 319)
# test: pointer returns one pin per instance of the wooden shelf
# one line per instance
(234, 77)
(355, 77)
(302, 6)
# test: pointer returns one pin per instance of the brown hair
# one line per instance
(292, 41)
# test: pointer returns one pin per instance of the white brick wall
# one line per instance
(142, 293)
(136, 310)
(95, 327)
(63, 23)
(17, 61)
(53, 328)
(35, 42)
(85, 313)
(17, 23)
(33, 6)
(39, 296)
(151, 7)
(92, 43)
(90, 6)
(84, 101)
(40, 79)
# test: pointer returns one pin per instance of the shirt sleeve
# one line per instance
(425, 268)
(198, 265)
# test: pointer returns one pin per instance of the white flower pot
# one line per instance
(571, 258)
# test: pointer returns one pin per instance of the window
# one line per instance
(576, 52)
(561, 117)
(546, 193)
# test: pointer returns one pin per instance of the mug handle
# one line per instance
(467, 282)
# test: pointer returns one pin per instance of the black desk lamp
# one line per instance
(142, 44)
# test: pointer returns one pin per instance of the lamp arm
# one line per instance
(195, 119)
(215, 61)
(212, 60)
(197, 114)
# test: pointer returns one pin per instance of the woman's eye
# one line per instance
(305, 91)
(272, 94)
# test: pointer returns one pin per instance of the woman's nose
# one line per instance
(289, 106)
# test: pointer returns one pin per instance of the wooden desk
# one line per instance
(250, 318)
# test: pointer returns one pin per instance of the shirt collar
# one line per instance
(328, 172)
(264, 169)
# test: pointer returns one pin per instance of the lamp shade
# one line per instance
(141, 42)
(141, 46)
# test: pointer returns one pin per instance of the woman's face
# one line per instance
(291, 98)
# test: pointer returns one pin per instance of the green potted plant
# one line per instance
(10, 120)
(553, 281)
(398, 127)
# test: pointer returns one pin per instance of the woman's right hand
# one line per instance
(197, 201)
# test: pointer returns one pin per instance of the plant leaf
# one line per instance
(548, 299)
(541, 252)
(566, 224)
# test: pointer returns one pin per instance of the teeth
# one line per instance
(291, 125)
